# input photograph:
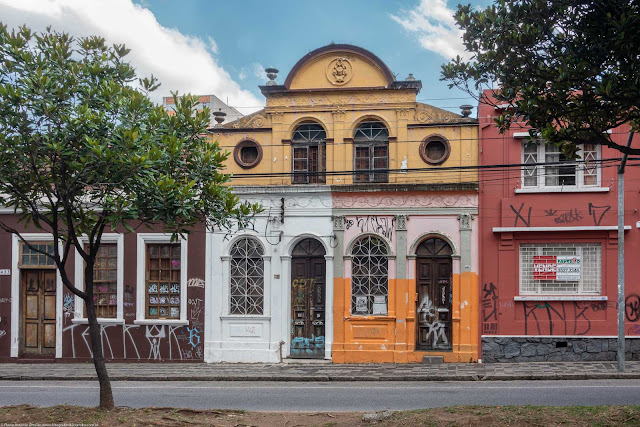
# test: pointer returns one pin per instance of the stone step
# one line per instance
(432, 360)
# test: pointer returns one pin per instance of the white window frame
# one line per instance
(541, 178)
(540, 291)
(142, 240)
(78, 315)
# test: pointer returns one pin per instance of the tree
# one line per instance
(570, 69)
(82, 150)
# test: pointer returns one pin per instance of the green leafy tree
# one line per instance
(570, 69)
(83, 150)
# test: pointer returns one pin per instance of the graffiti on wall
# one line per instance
(561, 318)
(68, 305)
(520, 215)
(565, 217)
(374, 224)
(489, 308)
(632, 307)
(598, 212)
(151, 342)
(523, 214)
(196, 308)
(195, 283)
(436, 330)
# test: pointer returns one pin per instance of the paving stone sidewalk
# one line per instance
(312, 372)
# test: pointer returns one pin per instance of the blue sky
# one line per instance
(278, 33)
(221, 47)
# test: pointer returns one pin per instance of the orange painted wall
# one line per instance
(391, 338)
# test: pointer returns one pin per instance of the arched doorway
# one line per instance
(308, 293)
(434, 287)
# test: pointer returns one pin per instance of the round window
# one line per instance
(435, 150)
(247, 153)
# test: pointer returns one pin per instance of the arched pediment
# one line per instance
(339, 66)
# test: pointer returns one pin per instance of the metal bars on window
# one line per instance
(590, 260)
(247, 277)
(369, 275)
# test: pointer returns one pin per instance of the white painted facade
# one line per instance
(289, 216)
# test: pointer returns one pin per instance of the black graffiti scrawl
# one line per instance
(489, 308)
(520, 215)
(632, 308)
(598, 212)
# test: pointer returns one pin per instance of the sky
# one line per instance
(222, 47)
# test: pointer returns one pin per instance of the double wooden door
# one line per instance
(433, 311)
(307, 307)
(38, 311)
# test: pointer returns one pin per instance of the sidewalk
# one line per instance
(312, 372)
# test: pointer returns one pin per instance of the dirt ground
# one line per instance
(453, 416)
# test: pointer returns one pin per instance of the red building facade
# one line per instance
(548, 249)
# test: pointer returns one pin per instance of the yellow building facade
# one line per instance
(343, 155)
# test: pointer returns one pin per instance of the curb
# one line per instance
(338, 378)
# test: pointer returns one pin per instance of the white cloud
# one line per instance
(213, 46)
(242, 74)
(180, 62)
(258, 71)
(433, 24)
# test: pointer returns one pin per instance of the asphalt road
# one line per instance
(345, 396)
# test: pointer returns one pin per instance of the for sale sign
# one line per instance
(557, 267)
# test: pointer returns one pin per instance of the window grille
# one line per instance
(369, 275)
(247, 277)
(371, 152)
(590, 269)
(568, 174)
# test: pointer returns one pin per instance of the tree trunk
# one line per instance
(106, 395)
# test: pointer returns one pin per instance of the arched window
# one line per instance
(309, 154)
(369, 276)
(371, 152)
(434, 247)
(247, 277)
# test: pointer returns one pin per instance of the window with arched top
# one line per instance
(309, 154)
(371, 152)
(369, 276)
(247, 277)
(434, 247)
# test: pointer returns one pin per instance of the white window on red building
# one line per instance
(567, 174)
(560, 269)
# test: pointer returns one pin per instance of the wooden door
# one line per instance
(433, 316)
(308, 300)
(38, 312)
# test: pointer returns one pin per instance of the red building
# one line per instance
(548, 249)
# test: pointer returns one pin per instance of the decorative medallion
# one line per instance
(339, 71)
